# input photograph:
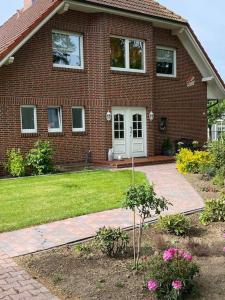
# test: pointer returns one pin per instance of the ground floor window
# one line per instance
(54, 119)
(28, 114)
(78, 119)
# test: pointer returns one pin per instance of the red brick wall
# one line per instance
(184, 107)
(31, 79)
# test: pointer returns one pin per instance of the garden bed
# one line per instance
(205, 188)
(72, 274)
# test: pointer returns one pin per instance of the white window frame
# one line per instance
(174, 75)
(35, 119)
(81, 67)
(83, 119)
(60, 129)
(127, 55)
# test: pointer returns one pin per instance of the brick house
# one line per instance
(100, 74)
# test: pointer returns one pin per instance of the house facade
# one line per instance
(95, 75)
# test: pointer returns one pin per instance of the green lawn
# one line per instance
(36, 200)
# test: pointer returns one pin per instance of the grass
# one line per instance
(35, 200)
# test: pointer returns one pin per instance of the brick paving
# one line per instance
(17, 284)
(168, 183)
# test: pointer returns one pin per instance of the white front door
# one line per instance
(129, 132)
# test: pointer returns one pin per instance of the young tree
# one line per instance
(215, 112)
(143, 199)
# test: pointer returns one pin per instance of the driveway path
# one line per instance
(168, 183)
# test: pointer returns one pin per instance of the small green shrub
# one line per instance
(219, 178)
(171, 274)
(217, 153)
(174, 224)
(112, 242)
(40, 158)
(15, 164)
(188, 161)
(214, 211)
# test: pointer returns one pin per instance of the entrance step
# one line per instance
(138, 162)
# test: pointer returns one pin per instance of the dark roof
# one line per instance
(22, 23)
(148, 7)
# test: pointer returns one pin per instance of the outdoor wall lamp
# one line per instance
(109, 116)
(151, 116)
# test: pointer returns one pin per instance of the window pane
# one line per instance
(117, 52)
(28, 118)
(165, 61)
(66, 49)
(136, 55)
(77, 118)
(54, 118)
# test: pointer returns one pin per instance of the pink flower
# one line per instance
(169, 254)
(177, 284)
(224, 249)
(187, 256)
(152, 285)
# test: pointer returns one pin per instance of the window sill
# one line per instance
(28, 135)
(133, 73)
(73, 70)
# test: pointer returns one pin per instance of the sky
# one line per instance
(206, 18)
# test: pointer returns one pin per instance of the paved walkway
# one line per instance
(168, 183)
(16, 283)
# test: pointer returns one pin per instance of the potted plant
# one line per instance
(167, 147)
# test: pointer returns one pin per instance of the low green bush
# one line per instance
(217, 153)
(214, 211)
(39, 159)
(219, 178)
(15, 164)
(112, 242)
(174, 224)
(171, 275)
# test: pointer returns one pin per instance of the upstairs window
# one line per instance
(127, 54)
(28, 115)
(166, 62)
(54, 119)
(67, 50)
(78, 119)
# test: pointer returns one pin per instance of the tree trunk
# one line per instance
(134, 236)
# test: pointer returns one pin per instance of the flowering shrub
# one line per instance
(171, 274)
(191, 162)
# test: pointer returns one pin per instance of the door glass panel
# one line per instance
(137, 126)
(119, 126)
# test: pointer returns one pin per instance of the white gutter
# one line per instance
(11, 53)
